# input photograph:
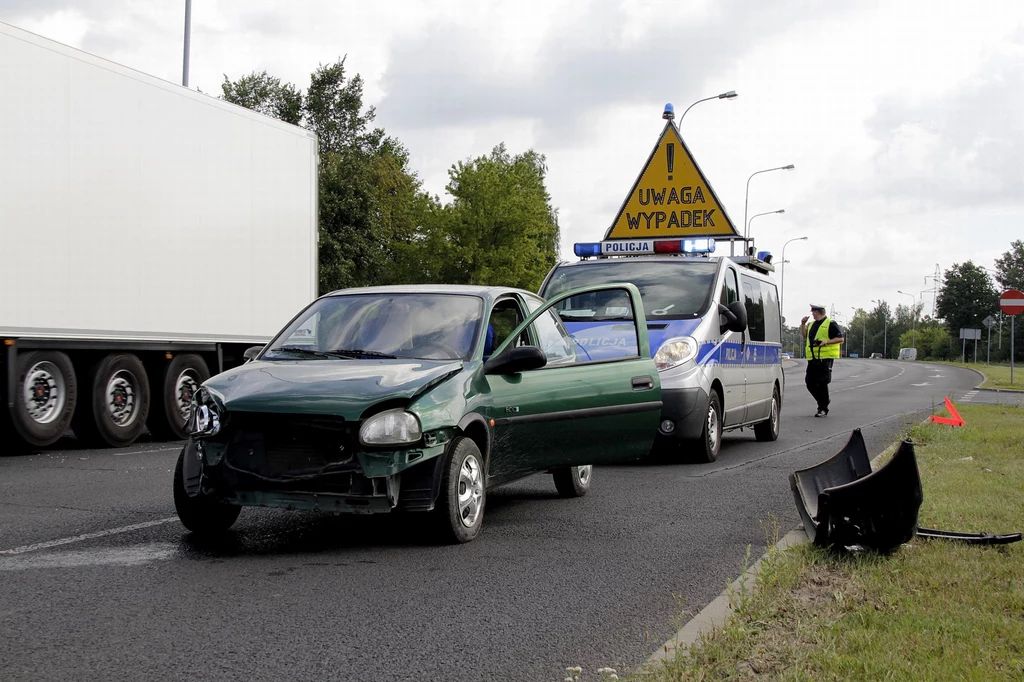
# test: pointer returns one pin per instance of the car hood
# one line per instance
(344, 388)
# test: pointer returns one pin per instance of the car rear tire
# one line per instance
(705, 448)
(768, 430)
(173, 397)
(119, 402)
(45, 396)
(459, 512)
(200, 514)
(573, 481)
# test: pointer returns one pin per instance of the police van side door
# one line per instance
(755, 352)
(730, 360)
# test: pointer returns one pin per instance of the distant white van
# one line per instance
(908, 354)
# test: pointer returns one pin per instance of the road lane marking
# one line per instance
(99, 556)
(872, 383)
(85, 536)
(924, 384)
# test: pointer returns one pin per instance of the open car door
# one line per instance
(559, 399)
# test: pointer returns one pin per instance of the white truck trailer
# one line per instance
(148, 235)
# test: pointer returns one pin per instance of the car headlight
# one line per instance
(675, 352)
(204, 421)
(393, 427)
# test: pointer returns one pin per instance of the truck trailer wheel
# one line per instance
(119, 402)
(46, 393)
(172, 399)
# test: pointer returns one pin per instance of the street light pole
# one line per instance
(757, 215)
(782, 276)
(746, 197)
(725, 95)
(914, 299)
(188, 40)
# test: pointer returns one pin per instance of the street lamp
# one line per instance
(782, 276)
(757, 215)
(725, 95)
(188, 40)
(746, 198)
(914, 299)
(885, 328)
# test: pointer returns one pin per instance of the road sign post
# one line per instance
(989, 322)
(1011, 302)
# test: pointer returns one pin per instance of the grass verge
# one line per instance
(996, 376)
(931, 611)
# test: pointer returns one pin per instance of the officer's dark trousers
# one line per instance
(818, 377)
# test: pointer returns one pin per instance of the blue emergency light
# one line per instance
(765, 256)
(588, 249)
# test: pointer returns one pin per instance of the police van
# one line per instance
(715, 329)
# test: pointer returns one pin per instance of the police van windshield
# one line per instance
(670, 289)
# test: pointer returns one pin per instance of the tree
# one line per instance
(1010, 267)
(370, 202)
(500, 227)
(966, 297)
(268, 95)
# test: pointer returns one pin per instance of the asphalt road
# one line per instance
(99, 581)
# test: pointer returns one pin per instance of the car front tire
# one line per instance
(200, 514)
(459, 513)
(573, 481)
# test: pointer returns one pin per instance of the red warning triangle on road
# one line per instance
(671, 197)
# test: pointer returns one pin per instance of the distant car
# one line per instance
(787, 356)
(876, 355)
(908, 354)
(419, 399)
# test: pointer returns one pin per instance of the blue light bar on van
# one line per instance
(642, 247)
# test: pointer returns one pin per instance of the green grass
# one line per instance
(996, 376)
(930, 611)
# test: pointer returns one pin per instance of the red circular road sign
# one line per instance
(1011, 302)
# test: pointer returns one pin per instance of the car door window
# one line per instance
(505, 317)
(552, 338)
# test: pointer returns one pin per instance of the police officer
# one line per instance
(821, 346)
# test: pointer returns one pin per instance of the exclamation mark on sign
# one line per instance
(670, 155)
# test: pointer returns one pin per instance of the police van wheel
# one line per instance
(707, 446)
(768, 430)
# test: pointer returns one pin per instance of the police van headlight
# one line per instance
(675, 352)
(394, 427)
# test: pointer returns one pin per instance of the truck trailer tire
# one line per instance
(172, 397)
(118, 403)
(46, 392)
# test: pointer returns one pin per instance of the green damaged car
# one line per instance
(421, 398)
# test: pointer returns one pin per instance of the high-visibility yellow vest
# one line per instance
(830, 351)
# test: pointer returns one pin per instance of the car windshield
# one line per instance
(382, 325)
(670, 289)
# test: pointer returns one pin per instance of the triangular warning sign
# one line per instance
(671, 198)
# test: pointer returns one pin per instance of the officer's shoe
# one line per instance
(821, 413)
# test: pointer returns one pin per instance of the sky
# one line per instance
(904, 119)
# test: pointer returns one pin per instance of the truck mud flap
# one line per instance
(191, 469)
(844, 504)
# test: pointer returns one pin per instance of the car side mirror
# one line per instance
(735, 317)
(251, 352)
(515, 360)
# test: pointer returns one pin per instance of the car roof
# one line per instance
(485, 292)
